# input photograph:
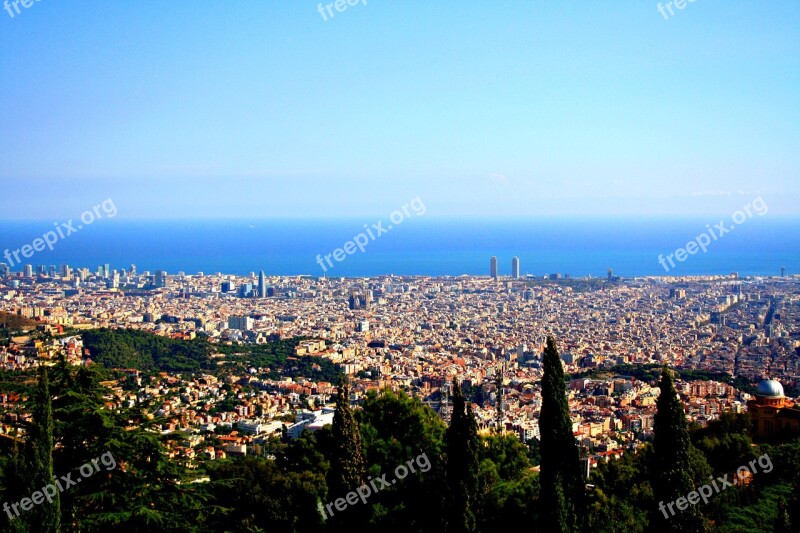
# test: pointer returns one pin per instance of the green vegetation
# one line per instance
(675, 475)
(623, 497)
(141, 495)
(576, 284)
(463, 445)
(21, 382)
(469, 483)
(128, 348)
(280, 360)
(562, 483)
(347, 458)
(39, 455)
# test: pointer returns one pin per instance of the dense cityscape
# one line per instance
(416, 334)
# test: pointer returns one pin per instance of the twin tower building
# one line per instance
(514, 267)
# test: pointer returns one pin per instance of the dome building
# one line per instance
(774, 416)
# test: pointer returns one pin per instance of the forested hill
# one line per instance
(128, 348)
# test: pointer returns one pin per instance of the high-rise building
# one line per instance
(161, 278)
(262, 285)
(245, 289)
(493, 267)
(240, 322)
(4, 270)
(28, 271)
(515, 268)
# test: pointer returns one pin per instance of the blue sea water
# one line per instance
(418, 246)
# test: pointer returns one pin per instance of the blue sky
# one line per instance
(503, 108)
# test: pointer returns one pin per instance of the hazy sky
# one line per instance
(493, 108)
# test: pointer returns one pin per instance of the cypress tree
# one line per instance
(347, 458)
(498, 382)
(783, 521)
(672, 477)
(462, 443)
(39, 448)
(562, 485)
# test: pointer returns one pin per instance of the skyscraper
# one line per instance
(493, 266)
(161, 278)
(262, 285)
(515, 268)
(245, 289)
(28, 271)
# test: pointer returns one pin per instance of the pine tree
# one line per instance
(672, 477)
(347, 461)
(562, 485)
(462, 443)
(13, 487)
(39, 452)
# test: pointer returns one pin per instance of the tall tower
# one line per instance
(493, 267)
(515, 268)
(360, 299)
(161, 278)
(262, 285)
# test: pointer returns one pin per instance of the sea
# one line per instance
(579, 247)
